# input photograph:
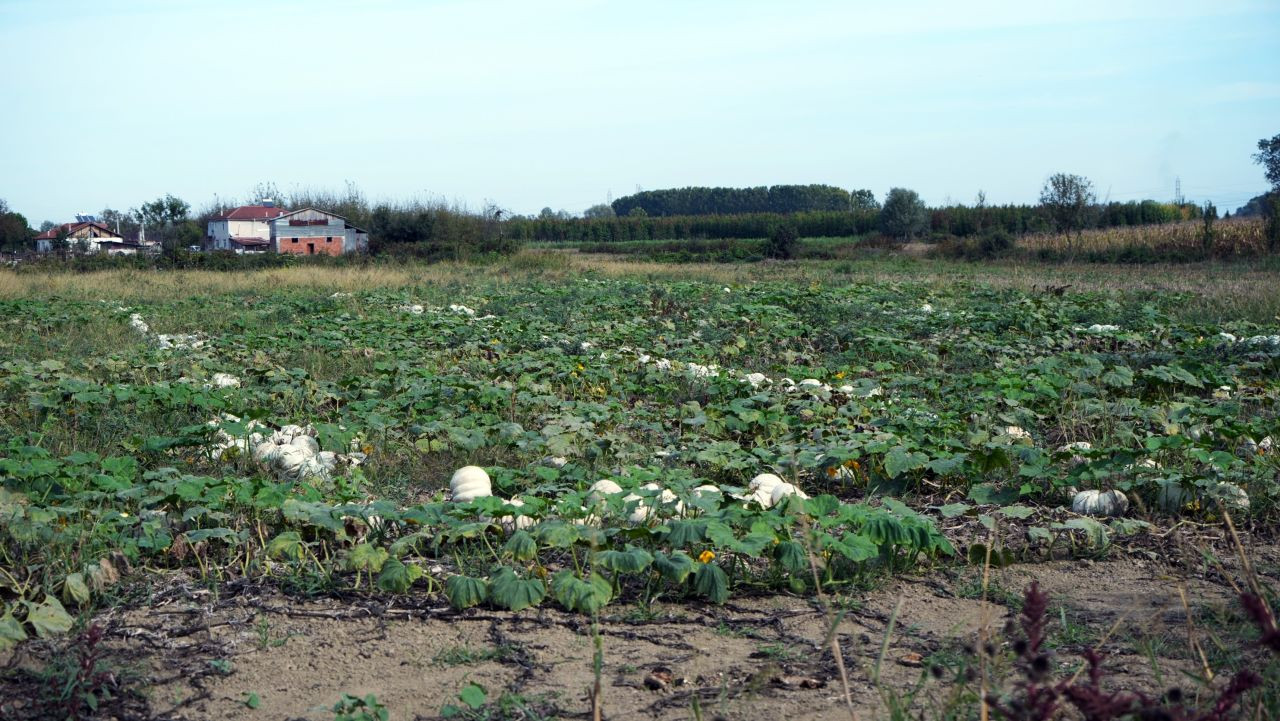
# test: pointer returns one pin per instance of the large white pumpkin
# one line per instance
(603, 488)
(307, 443)
(782, 490)
(1100, 503)
(641, 512)
(764, 482)
(469, 483)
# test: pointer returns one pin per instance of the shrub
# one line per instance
(904, 215)
(783, 242)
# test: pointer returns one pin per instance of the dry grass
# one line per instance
(1219, 290)
(1243, 237)
(162, 285)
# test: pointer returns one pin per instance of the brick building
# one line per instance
(314, 232)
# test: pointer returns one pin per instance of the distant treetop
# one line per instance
(734, 201)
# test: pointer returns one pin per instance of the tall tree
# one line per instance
(1268, 156)
(863, 200)
(124, 223)
(15, 234)
(1069, 201)
(904, 214)
(165, 216)
(600, 210)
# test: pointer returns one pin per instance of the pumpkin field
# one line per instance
(546, 489)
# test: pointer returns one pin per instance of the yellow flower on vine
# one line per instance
(706, 557)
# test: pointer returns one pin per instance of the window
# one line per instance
(328, 239)
(295, 240)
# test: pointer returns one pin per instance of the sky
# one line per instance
(569, 103)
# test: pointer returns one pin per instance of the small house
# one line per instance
(310, 231)
(89, 236)
(243, 229)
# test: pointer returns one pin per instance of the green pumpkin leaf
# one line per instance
(366, 557)
(521, 546)
(584, 596)
(473, 695)
(225, 534)
(791, 556)
(1017, 511)
(75, 589)
(465, 591)
(684, 534)
(674, 568)
(11, 630)
(710, 581)
(630, 560)
(48, 618)
(287, 545)
(557, 534)
(509, 591)
(397, 577)
(899, 460)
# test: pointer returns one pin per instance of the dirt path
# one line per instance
(753, 658)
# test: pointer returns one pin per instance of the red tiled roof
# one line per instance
(52, 233)
(252, 212)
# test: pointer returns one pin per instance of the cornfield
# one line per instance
(1231, 238)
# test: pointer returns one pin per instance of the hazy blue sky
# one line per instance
(532, 104)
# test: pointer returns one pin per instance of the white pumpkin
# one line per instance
(701, 491)
(1100, 503)
(306, 442)
(1017, 433)
(1233, 497)
(289, 459)
(641, 512)
(665, 498)
(1252, 447)
(764, 482)
(469, 483)
(266, 452)
(810, 383)
(604, 487)
(224, 380)
(782, 490)
(511, 523)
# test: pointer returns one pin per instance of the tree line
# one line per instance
(902, 216)
(741, 201)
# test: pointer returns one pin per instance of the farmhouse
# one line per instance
(88, 236)
(243, 229)
(314, 232)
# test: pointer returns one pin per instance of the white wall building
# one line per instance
(247, 228)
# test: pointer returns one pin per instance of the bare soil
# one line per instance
(197, 655)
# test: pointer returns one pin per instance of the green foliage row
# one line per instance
(737, 201)
(960, 221)
(107, 441)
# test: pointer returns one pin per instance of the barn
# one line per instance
(311, 231)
